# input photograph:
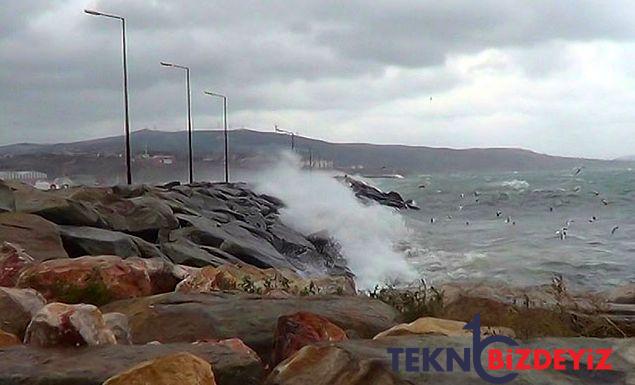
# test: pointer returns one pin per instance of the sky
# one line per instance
(556, 77)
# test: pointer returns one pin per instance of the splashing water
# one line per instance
(315, 201)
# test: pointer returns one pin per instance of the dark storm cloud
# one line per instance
(60, 73)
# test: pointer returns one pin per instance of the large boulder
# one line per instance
(624, 294)
(175, 369)
(81, 240)
(251, 279)
(17, 307)
(185, 252)
(92, 365)
(232, 238)
(95, 280)
(141, 215)
(7, 199)
(332, 365)
(300, 329)
(13, 259)
(39, 237)
(59, 324)
(369, 362)
(54, 206)
(438, 326)
(176, 317)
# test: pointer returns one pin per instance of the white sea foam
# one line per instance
(315, 201)
(516, 184)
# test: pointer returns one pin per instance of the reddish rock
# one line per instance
(13, 259)
(95, 280)
(59, 324)
(164, 275)
(300, 329)
(8, 339)
(17, 307)
(39, 237)
(244, 277)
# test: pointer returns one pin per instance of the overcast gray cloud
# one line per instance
(553, 76)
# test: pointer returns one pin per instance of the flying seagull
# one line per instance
(614, 229)
(577, 170)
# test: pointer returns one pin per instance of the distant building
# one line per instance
(163, 159)
(30, 177)
(317, 163)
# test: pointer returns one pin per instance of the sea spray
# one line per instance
(315, 201)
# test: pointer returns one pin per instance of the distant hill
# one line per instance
(370, 158)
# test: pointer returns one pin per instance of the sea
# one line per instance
(507, 227)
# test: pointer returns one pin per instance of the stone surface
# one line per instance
(199, 225)
(7, 200)
(623, 294)
(250, 279)
(438, 326)
(58, 324)
(176, 317)
(300, 329)
(331, 365)
(13, 259)
(353, 359)
(17, 307)
(25, 365)
(8, 339)
(118, 323)
(82, 240)
(95, 280)
(367, 193)
(175, 369)
(39, 237)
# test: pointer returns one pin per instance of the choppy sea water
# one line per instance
(468, 241)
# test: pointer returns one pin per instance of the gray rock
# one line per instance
(37, 236)
(177, 317)
(17, 306)
(24, 365)
(7, 200)
(81, 240)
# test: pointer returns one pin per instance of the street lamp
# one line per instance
(288, 133)
(224, 129)
(189, 112)
(125, 87)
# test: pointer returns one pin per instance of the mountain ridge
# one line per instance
(246, 144)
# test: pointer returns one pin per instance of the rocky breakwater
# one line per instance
(367, 194)
(130, 283)
(203, 284)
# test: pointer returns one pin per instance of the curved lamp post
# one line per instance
(189, 113)
(224, 130)
(125, 87)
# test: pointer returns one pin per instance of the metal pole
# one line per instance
(292, 141)
(226, 145)
(189, 123)
(125, 96)
(125, 89)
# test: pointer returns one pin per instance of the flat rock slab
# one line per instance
(363, 352)
(177, 317)
(92, 366)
